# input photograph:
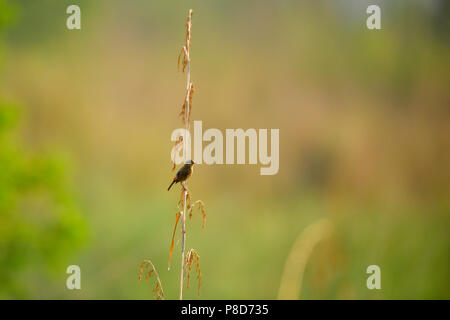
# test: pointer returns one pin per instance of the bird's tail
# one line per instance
(171, 185)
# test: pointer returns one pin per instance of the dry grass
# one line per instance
(177, 218)
(185, 198)
(192, 257)
(147, 270)
(294, 268)
(177, 146)
(201, 205)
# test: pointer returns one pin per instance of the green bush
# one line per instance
(40, 224)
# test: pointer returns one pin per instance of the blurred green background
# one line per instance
(85, 123)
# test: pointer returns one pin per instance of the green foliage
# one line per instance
(40, 224)
(8, 13)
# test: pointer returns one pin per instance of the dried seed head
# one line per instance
(148, 266)
(188, 30)
(185, 50)
(187, 98)
(201, 204)
(183, 53)
(177, 146)
(193, 257)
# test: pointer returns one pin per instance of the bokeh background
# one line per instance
(364, 118)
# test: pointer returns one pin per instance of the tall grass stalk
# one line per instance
(187, 64)
(192, 257)
(295, 265)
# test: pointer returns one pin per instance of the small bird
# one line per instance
(183, 174)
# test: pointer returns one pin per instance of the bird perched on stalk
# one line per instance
(183, 174)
